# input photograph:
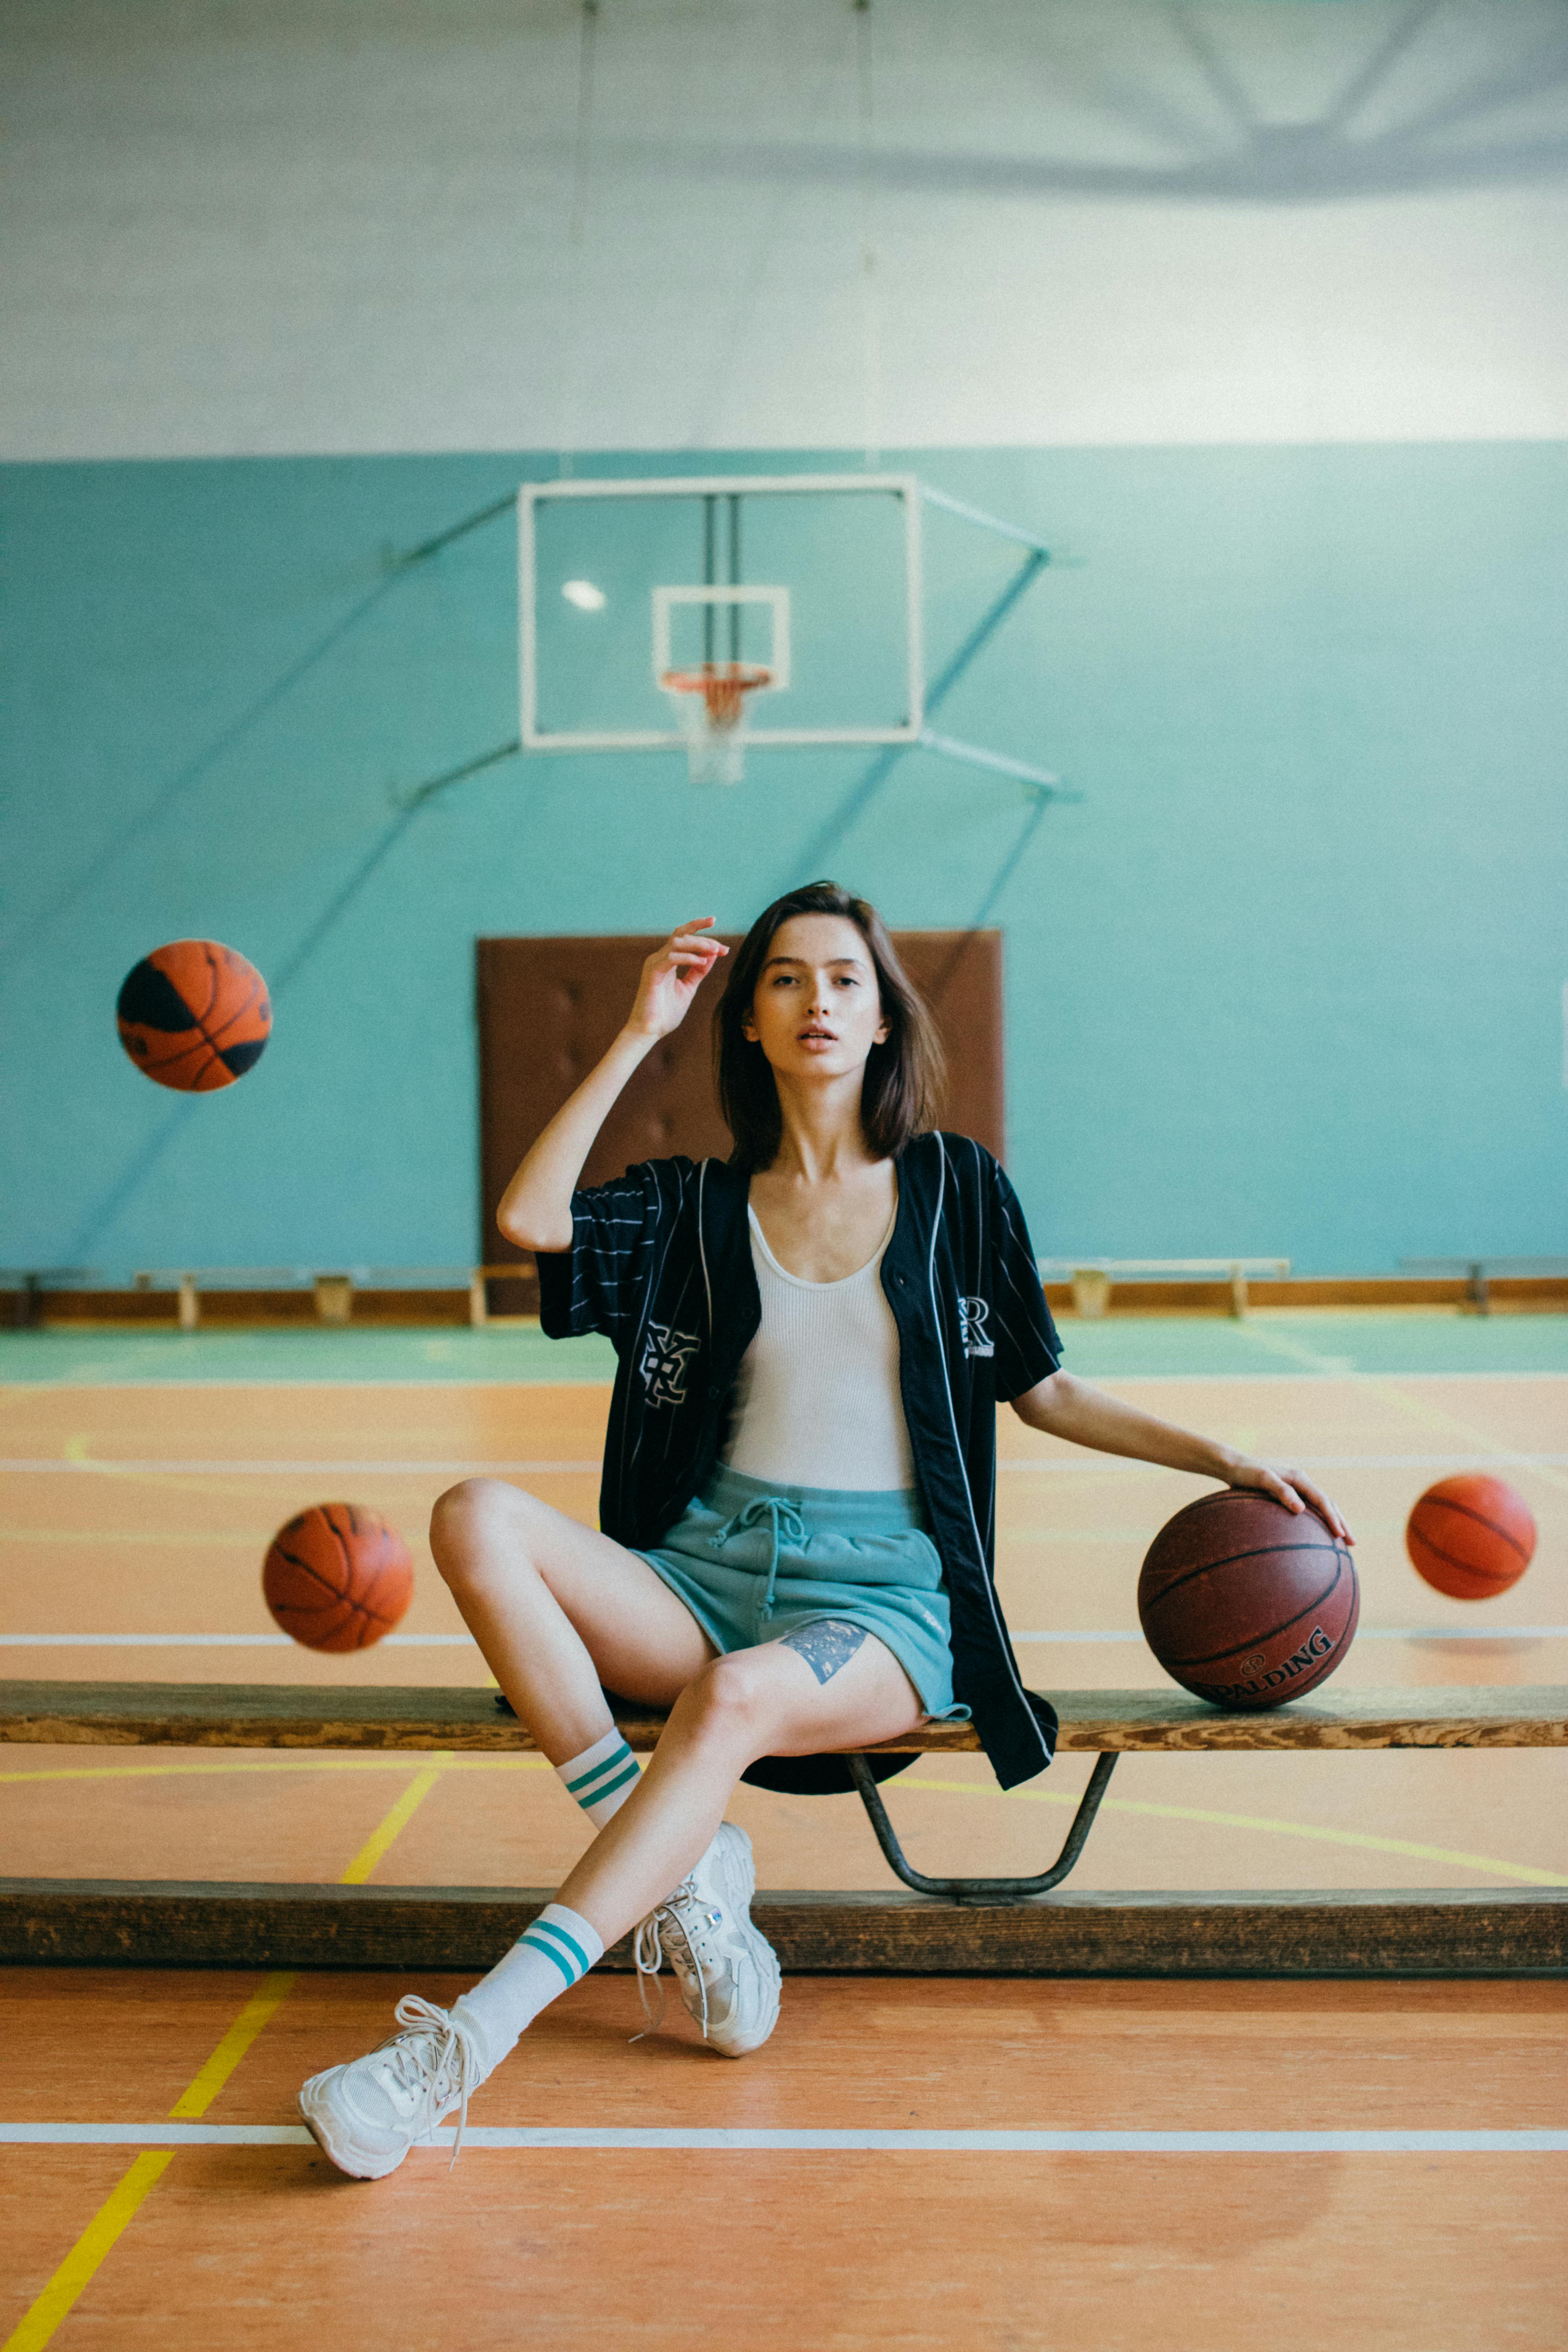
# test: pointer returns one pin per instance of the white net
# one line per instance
(709, 703)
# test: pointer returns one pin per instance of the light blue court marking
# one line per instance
(308, 1357)
(1363, 1634)
(887, 2143)
(1272, 1344)
(1315, 1343)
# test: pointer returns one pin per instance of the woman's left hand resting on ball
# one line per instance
(1064, 1407)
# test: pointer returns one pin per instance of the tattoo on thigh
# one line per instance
(825, 1647)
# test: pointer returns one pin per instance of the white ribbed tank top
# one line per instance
(816, 1399)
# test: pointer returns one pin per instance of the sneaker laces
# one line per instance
(433, 2053)
(681, 1913)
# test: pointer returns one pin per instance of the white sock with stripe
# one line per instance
(601, 1778)
(546, 1960)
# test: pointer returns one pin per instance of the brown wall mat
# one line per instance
(1438, 1932)
(549, 1008)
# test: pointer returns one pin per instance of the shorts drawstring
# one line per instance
(787, 1525)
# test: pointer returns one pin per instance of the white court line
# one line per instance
(1362, 1633)
(464, 1640)
(897, 2142)
(51, 1466)
(214, 1641)
(1504, 1456)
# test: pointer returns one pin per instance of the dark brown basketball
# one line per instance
(1470, 1537)
(193, 1015)
(1246, 1603)
(337, 1577)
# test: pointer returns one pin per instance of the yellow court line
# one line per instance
(399, 1762)
(49, 2308)
(396, 1821)
(1414, 1408)
(42, 2317)
(1433, 1417)
(198, 2095)
(1257, 1822)
(447, 1762)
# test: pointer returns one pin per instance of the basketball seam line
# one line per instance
(1466, 1511)
(307, 1568)
(367, 1618)
(1212, 1657)
(1451, 1559)
(199, 1022)
(1263, 1551)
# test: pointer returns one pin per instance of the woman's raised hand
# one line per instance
(672, 978)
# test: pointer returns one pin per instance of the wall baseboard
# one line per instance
(262, 1309)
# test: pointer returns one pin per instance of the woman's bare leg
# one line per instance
(762, 1701)
(559, 1609)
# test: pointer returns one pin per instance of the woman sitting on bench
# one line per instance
(796, 1514)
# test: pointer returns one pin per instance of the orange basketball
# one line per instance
(193, 1015)
(1247, 1604)
(337, 1577)
(1470, 1537)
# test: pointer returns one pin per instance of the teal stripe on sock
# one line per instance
(611, 1786)
(610, 1764)
(532, 1935)
(549, 1927)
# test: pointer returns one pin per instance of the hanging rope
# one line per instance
(870, 290)
(576, 238)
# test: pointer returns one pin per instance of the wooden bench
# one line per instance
(1092, 1277)
(1512, 1275)
(332, 1291)
(971, 1926)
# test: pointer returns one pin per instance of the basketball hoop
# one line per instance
(711, 704)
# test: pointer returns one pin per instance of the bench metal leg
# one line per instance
(983, 1890)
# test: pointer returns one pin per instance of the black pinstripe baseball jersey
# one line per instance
(661, 1262)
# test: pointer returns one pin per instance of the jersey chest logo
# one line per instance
(973, 1314)
(663, 1365)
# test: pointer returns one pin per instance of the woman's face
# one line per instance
(817, 1011)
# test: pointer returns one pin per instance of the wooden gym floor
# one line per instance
(1085, 2165)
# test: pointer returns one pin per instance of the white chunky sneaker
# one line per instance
(367, 2115)
(727, 1970)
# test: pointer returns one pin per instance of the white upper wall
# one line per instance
(250, 227)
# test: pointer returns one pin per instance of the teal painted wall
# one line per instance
(1289, 979)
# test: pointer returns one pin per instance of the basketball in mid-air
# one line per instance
(337, 1577)
(1246, 1603)
(1470, 1537)
(193, 1015)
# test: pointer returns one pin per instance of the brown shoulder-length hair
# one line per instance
(902, 1089)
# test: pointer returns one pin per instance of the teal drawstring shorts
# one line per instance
(754, 1561)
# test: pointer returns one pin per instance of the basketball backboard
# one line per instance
(812, 579)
